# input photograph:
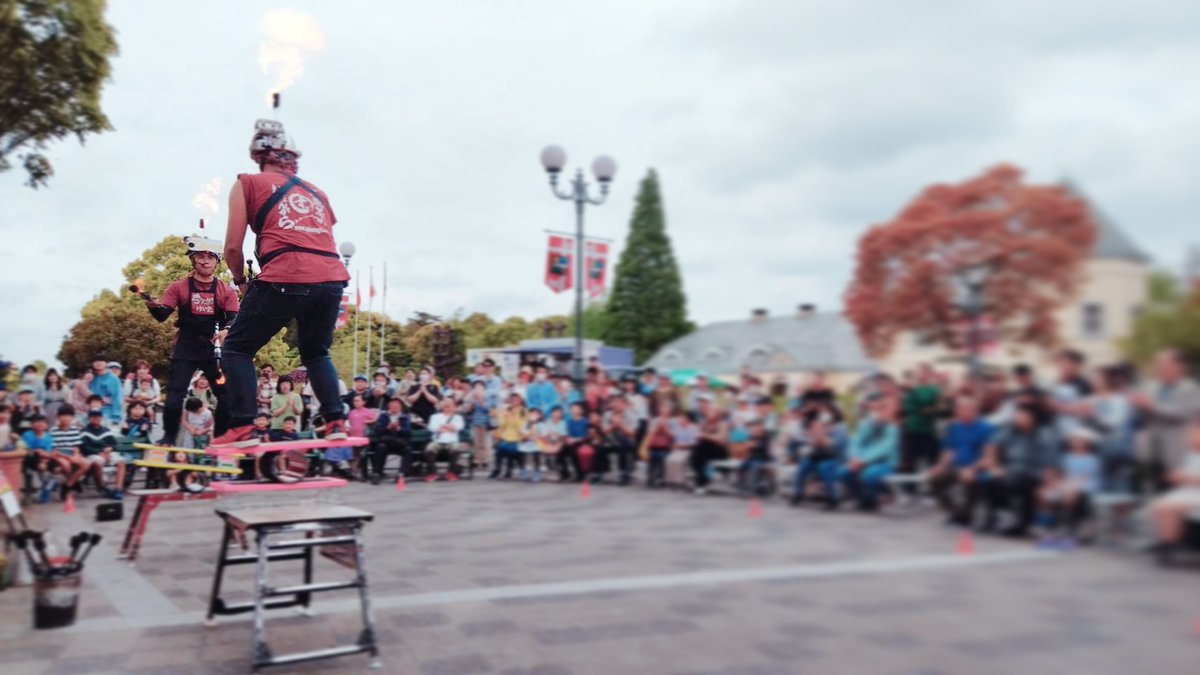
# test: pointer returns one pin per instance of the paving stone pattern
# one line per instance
(1089, 612)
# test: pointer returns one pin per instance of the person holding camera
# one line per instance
(205, 308)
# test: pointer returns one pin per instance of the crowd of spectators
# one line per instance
(1010, 451)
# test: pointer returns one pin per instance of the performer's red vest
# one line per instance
(294, 226)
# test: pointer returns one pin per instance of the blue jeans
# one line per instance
(266, 309)
(864, 485)
(824, 469)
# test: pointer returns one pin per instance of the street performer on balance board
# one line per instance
(206, 308)
(302, 278)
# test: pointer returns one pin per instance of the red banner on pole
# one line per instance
(595, 260)
(560, 259)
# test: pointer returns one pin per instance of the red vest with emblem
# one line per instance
(293, 223)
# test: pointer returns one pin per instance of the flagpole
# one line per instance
(357, 311)
(383, 311)
(370, 306)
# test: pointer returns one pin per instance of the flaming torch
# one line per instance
(138, 287)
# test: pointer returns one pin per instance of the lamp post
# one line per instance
(971, 279)
(347, 250)
(603, 168)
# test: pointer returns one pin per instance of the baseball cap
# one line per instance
(361, 377)
(114, 364)
(488, 362)
(95, 413)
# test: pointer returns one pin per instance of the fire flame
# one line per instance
(206, 198)
(290, 37)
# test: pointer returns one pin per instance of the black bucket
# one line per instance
(56, 598)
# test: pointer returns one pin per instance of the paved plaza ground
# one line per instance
(483, 577)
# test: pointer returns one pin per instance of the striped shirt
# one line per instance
(66, 440)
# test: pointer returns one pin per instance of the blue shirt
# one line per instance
(577, 428)
(967, 441)
(108, 386)
(875, 442)
(31, 441)
(1082, 469)
(542, 395)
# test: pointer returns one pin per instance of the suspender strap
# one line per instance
(268, 257)
(261, 218)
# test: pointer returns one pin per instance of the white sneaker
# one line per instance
(700, 491)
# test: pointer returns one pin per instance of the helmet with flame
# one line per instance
(198, 244)
(271, 145)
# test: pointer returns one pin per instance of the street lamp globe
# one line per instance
(554, 158)
(347, 250)
(604, 168)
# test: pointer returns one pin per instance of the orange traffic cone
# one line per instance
(400, 483)
(69, 504)
(966, 544)
(756, 508)
(585, 490)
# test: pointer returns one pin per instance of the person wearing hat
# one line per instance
(361, 387)
(302, 278)
(108, 387)
(204, 309)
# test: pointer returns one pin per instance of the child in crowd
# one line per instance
(1064, 497)
(177, 457)
(262, 428)
(530, 448)
(508, 436)
(197, 424)
(346, 460)
(40, 445)
(684, 434)
(137, 424)
(659, 442)
(758, 458)
(479, 414)
(568, 457)
(287, 432)
(94, 403)
(261, 432)
(98, 446)
(67, 436)
(551, 433)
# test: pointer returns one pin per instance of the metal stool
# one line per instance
(336, 529)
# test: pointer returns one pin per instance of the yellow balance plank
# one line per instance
(164, 450)
(186, 467)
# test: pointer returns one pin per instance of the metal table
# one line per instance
(291, 533)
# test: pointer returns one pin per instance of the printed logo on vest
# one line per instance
(300, 211)
(204, 304)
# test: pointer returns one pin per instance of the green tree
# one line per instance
(647, 308)
(56, 59)
(1171, 318)
(510, 332)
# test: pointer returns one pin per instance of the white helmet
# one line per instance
(269, 137)
(198, 244)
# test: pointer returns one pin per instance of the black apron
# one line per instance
(198, 320)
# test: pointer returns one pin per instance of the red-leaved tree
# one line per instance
(1030, 240)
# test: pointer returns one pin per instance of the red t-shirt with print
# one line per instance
(301, 218)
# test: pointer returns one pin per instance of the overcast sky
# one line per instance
(780, 130)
